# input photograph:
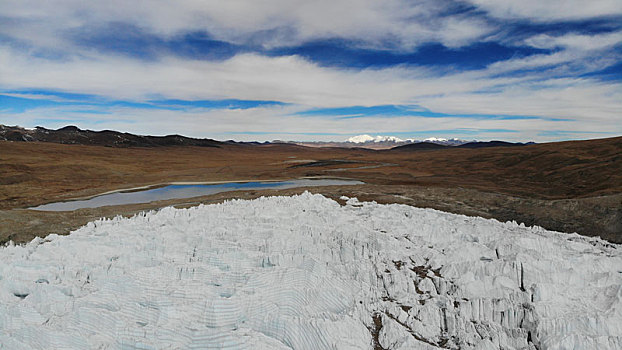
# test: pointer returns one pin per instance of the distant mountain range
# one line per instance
(368, 139)
(473, 144)
(74, 135)
(109, 138)
(386, 142)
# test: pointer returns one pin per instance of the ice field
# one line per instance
(304, 272)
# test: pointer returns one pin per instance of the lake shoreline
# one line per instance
(176, 190)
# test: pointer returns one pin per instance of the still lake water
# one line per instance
(184, 191)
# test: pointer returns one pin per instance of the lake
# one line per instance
(184, 191)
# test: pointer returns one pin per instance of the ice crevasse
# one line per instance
(305, 272)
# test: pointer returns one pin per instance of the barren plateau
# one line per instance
(573, 186)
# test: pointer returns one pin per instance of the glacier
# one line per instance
(305, 272)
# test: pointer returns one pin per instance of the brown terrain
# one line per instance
(573, 186)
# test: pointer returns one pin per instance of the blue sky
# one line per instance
(321, 70)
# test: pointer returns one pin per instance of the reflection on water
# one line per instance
(184, 191)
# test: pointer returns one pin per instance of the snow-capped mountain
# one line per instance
(365, 139)
(361, 139)
(368, 138)
(435, 139)
(382, 142)
(305, 272)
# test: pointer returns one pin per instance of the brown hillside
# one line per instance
(507, 183)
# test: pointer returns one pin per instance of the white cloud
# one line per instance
(539, 10)
(458, 32)
(576, 41)
(396, 23)
(583, 99)
(288, 79)
(572, 53)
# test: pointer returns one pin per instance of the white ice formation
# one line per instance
(304, 272)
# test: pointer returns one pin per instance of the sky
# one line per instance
(257, 70)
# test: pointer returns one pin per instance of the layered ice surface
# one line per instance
(304, 272)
